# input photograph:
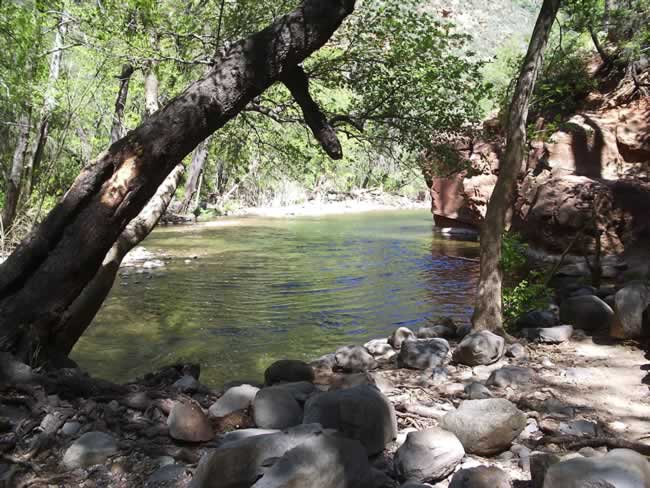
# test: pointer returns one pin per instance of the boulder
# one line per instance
(187, 384)
(517, 351)
(479, 348)
(188, 423)
(381, 350)
(234, 399)
(324, 461)
(355, 359)
(90, 449)
(480, 477)
(586, 312)
(362, 413)
(276, 408)
(428, 455)
(400, 336)
(548, 335)
(511, 376)
(442, 331)
(540, 462)
(620, 468)
(238, 464)
(485, 427)
(477, 391)
(423, 354)
(288, 370)
(168, 476)
(537, 318)
(630, 302)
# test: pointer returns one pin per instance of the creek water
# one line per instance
(267, 289)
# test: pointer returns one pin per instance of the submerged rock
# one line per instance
(423, 354)
(428, 455)
(479, 348)
(442, 331)
(90, 449)
(362, 413)
(485, 427)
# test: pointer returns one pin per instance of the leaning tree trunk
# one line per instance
(49, 104)
(47, 272)
(81, 313)
(488, 311)
(15, 180)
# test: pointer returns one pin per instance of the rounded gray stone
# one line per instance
(428, 455)
(90, 449)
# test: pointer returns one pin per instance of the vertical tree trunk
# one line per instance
(488, 311)
(15, 181)
(151, 90)
(192, 186)
(118, 130)
(44, 276)
(49, 104)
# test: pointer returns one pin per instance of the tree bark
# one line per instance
(192, 186)
(47, 272)
(15, 181)
(488, 311)
(81, 313)
(49, 104)
(118, 130)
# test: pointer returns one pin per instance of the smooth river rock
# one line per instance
(289, 371)
(381, 350)
(239, 464)
(90, 449)
(511, 376)
(323, 461)
(355, 359)
(548, 335)
(188, 423)
(480, 477)
(399, 336)
(630, 304)
(428, 455)
(362, 413)
(479, 348)
(234, 399)
(276, 408)
(620, 468)
(586, 312)
(485, 427)
(423, 354)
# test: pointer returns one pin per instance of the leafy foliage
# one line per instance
(527, 294)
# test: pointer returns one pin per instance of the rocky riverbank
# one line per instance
(441, 406)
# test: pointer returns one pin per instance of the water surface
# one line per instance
(267, 289)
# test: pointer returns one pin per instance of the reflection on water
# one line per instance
(272, 289)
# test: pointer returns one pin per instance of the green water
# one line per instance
(268, 289)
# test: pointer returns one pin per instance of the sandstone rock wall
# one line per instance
(594, 171)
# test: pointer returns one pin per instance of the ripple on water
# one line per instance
(266, 290)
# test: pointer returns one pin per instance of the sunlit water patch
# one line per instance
(270, 289)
